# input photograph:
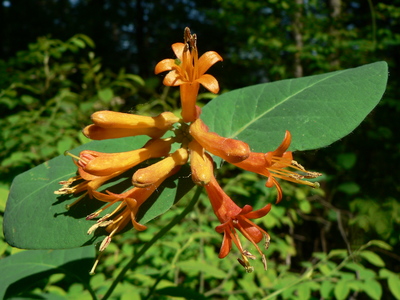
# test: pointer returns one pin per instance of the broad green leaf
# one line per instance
(373, 289)
(318, 110)
(341, 289)
(27, 266)
(372, 258)
(394, 285)
(36, 218)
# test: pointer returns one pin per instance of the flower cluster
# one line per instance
(197, 145)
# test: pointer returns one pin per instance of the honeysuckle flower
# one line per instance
(233, 219)
(201, 169)
(277, 164)
(188, 72)
(125, 212)
(231, 150)
(147, 176)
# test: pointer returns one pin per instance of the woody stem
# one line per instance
(134, 261)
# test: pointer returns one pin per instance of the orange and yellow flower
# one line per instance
(277, 164)
(188, 72)
(197, 144)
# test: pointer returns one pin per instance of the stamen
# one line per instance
(68, 206)
(70, 154)
(246, 264)
(95, 263)
(264, 261)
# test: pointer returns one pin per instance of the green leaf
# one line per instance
(28, 266)
(394, 285)
(198, 266)
(373, 289)
(372, 258)
(317, 110)
(180, 292)
(342, 289)
(106, 94)
(36, 218)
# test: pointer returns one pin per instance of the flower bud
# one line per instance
(111, 119)
(231, 150)
(147, 176)
(201, 164)
(96, 132)
(108, 163)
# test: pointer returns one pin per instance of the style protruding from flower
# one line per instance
(196, 145)
(188, 72)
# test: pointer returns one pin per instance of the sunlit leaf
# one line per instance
(318, 110)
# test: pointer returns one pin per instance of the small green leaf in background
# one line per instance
(372, 258)
(373, 289)
(342, 289)
(106, 94)
(318, 110)
(394, 285)
(39, 264)
(36, 218)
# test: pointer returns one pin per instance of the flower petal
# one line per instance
(207, 60)
(259, 213)
(173, 78)
(178, 49)
(226, 246)
(209, 82)
(165, 65)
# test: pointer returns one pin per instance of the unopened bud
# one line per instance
(111, 119)
(147, 176)
(201, 164)
(231, 150)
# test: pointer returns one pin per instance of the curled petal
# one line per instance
(226, 246)
(207, 60)
(178, 49)
(209, 82)
(284, 145)
(259, 213)
(165, 65)
(173, 78)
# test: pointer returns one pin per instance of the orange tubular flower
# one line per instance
(233, 218)
(231, 150)
(272, 164)
(126, 211)
(188, 72)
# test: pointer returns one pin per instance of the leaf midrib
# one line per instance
(253, 120)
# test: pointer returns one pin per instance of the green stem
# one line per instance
(133, 262)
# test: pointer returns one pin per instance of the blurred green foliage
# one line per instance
(52, 89)
(338, 242)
